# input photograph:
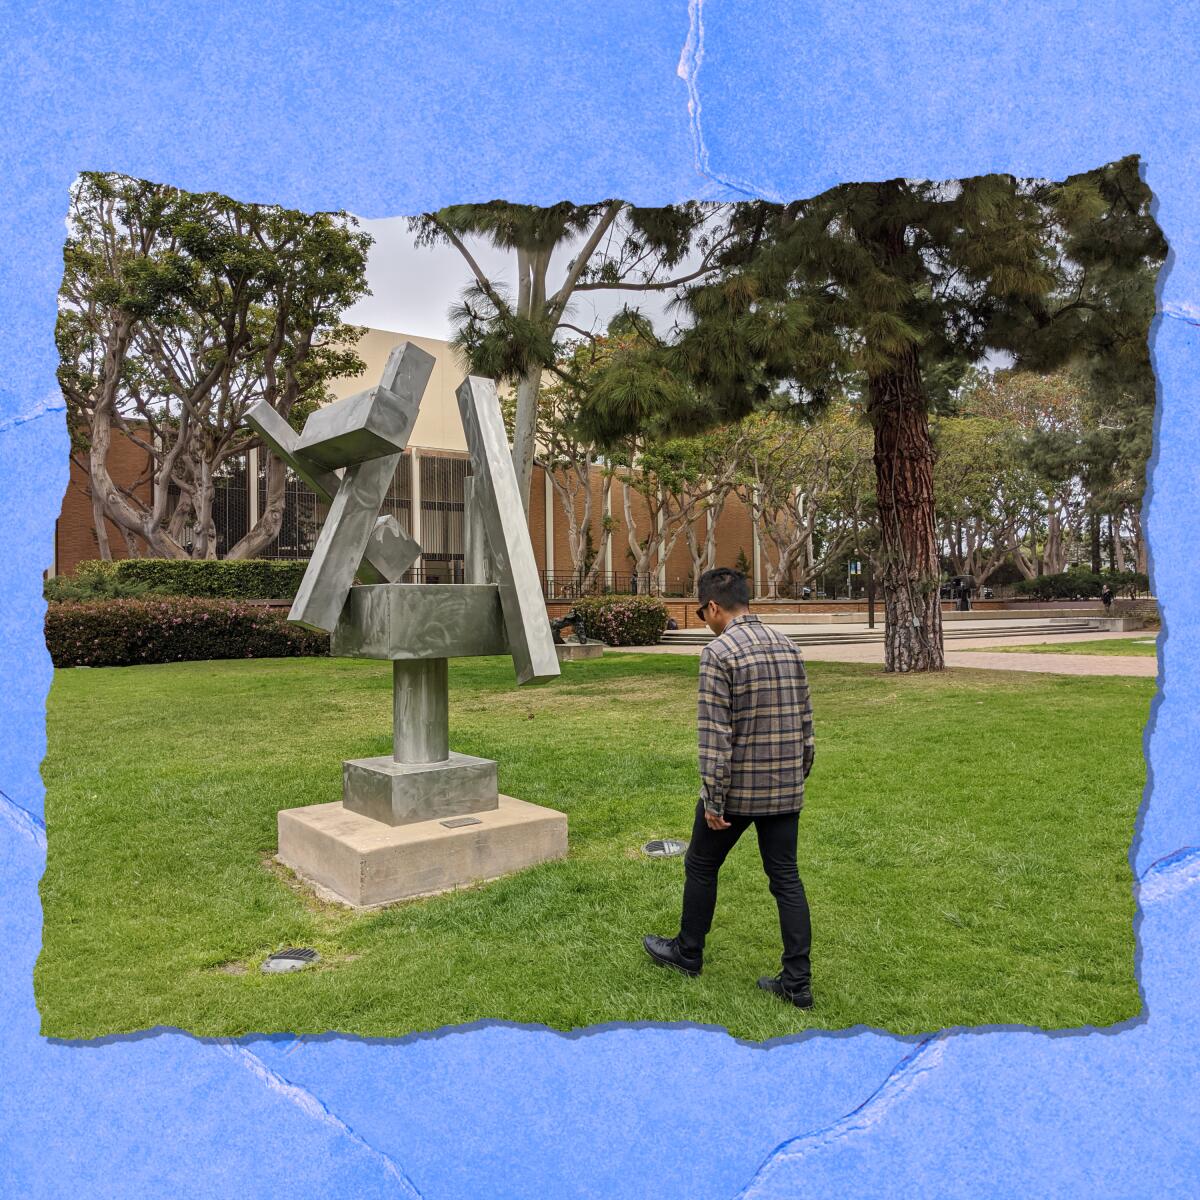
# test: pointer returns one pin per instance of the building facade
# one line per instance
(426, 498)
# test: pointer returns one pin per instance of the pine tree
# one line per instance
(891, 292)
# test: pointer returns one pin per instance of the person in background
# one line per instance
(1106, 594)
(756, 750)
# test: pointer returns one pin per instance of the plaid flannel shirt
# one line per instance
(755, 721)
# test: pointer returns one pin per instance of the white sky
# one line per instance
(413, 288)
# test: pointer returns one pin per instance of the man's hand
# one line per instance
(715, 820)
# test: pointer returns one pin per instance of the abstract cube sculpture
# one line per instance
(424, 819)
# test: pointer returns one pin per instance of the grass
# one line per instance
(1138, 646)
(964, 847)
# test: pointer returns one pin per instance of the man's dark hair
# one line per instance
(729, 588)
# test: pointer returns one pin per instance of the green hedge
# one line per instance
(623, 620)
(1087, 584)
(118, 633)
(97, 585)
(242, 579)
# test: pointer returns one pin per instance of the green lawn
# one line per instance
(964, 849)
(1137, 645)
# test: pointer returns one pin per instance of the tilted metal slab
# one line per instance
(494, 488)
(373, 423)
(343, 542)
(390, 551)
(420, 620)
(346, 533)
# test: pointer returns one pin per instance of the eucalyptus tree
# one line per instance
(807, 488)
(1048, 415)
(987, 494)
(178, 311)
(569, 458)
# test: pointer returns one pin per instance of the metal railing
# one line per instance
(557, 586)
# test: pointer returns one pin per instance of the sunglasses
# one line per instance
(703, 609)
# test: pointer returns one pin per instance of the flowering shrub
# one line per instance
(230, 579)
(623, 620)
(119, 633)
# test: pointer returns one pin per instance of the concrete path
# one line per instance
(1051, 664)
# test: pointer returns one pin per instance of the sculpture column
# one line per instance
(420, 710)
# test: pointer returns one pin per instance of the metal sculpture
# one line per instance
(348, 453)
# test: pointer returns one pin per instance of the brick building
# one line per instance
(426, 498)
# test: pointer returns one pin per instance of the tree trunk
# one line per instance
(1053, 548)
(271, 517)
(101, 529)
(1029, 569)
(907, 521)
(593, 572)
(772, 580)
(696, 553)
(1094, 530)
(1141, 553)
(524, 432)
(641, 553)
(1118, 543)
(577, 523)
(112, 503)
(205, 543)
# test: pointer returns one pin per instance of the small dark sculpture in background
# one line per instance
(575, 621)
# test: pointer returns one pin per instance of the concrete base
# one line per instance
(404, 793)
(574, 651)
(365, 863)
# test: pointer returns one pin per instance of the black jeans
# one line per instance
(777, 845)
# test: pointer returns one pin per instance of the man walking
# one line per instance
(756, 750)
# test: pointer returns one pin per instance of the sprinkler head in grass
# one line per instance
(294, 959)
(664, 848)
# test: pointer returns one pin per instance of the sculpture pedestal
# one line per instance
(365, 863)
(399, 793)
(422, 820)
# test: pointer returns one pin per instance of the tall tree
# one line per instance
(894, 290)
(668, 477)
(721, 458)
(569, 458)
(1111, 250)
(611, 246)
(985, 491)
(1047, 414)
(804, 485)
(178, 311)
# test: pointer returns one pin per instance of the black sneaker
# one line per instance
(666, 952)
(801, 997)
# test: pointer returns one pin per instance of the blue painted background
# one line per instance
(393, 108)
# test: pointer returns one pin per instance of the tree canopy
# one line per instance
(177, 312)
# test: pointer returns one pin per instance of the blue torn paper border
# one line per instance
(393, 108)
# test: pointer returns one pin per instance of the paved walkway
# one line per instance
(1051, 664)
